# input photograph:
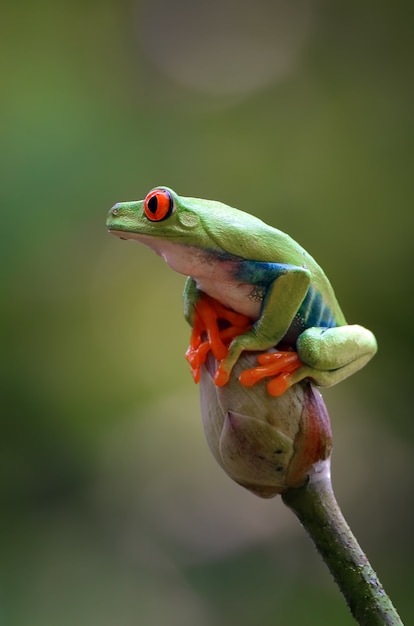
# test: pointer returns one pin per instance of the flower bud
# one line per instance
(265, 443)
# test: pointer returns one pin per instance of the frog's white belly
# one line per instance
(214, 276)
(236, 296)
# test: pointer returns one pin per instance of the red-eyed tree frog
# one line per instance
(249, 287)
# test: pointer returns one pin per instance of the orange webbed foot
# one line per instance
(214, 327)
(280, 365)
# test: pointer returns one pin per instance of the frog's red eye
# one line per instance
(158, 205)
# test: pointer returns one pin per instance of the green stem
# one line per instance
(317, 509)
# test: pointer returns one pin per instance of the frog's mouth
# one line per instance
(142, 237)
(125, 235)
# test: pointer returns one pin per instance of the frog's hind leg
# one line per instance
(332, 354)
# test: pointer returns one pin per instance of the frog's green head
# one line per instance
(164, 215)
(165, 218)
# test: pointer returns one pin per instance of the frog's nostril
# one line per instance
(115, 210)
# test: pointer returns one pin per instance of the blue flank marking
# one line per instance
(262, 273)
(313, 312)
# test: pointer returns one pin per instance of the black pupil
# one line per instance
(153, 204)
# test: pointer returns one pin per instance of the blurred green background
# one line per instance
(112, 509)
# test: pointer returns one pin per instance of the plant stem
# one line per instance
(317, 509)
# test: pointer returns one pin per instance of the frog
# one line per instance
(238, 265)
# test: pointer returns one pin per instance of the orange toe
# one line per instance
(250, 377)
(222, 376)
(278, 385)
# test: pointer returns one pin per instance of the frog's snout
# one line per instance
(113, 213)
(118, 212)
(123, 217)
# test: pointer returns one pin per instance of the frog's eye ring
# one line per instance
(158, 205)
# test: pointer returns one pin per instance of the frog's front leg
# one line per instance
(281, 303)
(191, 295)
(332, 354)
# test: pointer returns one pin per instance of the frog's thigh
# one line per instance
(333, 348)
(331, 355)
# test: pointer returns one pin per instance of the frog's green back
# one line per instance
(244, 235)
